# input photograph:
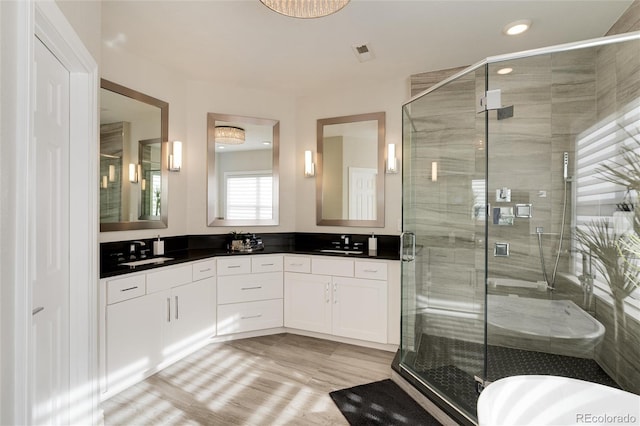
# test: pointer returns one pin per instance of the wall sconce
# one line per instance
(175, 157)
(104, 182)
(133, 173)
(112, 173)
(309, 167)
(434, 171)
(392, 161)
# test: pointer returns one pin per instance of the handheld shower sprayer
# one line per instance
(565, 166)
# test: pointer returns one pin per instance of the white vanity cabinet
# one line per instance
(153, 319)
(250, 293)
(338, 296)
(133, 340)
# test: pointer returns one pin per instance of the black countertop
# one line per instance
(190, 248)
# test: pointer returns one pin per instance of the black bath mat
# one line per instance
(380, 403)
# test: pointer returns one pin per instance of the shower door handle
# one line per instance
(409, 254)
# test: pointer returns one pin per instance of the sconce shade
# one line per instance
(112, 173)
(175, 157)
(434, 171)
(309, 167)
(305, 8)
(392, 161)
(133, 173)
(229, 135)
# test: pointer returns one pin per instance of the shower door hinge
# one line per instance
(481, 384)
(491, 100)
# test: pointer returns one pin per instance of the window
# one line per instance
(249, 195)
(599, 197)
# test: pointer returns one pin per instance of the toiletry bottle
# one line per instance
(373, 245)
(158, 247)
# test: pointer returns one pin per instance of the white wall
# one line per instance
(386, 96)
(189, 103)
(204, 98)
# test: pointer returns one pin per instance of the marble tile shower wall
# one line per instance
(555, 98)
(450, 242)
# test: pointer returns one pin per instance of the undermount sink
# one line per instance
(149, 261)
(339, 251)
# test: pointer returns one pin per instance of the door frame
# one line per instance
(21, 22)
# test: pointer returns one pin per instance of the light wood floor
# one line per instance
(282, 379)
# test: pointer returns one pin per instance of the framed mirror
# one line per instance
(242, 169)
(350, 177)
(134, 128)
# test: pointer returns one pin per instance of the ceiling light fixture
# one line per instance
(517, 27)
(305, 9)
(229, 135)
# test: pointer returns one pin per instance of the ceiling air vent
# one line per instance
(363, 52)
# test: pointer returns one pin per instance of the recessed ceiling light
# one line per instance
(517, 27)
(503, 71)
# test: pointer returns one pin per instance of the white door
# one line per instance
(49, 239)
(192, 318)
(360, 309)
(362, 193)
(307, 302)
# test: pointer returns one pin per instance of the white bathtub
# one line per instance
(554, 326)
(551, 400)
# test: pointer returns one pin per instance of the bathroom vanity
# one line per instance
(156, 314)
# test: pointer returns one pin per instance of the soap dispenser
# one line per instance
(373, 245)
(158, 247)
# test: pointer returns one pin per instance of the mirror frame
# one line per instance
(163, 222)
(379, 221)
(212, 192)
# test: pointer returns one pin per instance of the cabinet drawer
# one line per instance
(125, 288)
(371, 270)
(297, 264)
(240, 317)
(167, 278)
(234, 266)
(204, 269)
(251, 287)
(332, 266)
(264, 263)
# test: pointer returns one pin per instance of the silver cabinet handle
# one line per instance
(205, 270)
(335, 293)
(128, 289)
(168, 309)
(266, 264)
(326, 293)
(251, 316)
(233, 266)
(251, 288)
(37, 310)
(177, 316)
(370, 270)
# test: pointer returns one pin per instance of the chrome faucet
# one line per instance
(132, 249)
(345, 240)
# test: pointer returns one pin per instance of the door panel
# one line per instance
(49, 226)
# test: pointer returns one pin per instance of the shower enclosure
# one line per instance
(520, 245)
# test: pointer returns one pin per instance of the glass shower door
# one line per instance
(444, 223)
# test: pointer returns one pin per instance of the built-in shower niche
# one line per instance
(500, 284)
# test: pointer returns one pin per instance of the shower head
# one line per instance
(565, 166)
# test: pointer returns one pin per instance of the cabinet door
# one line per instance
(360, 309)
(134, 330)
(307, 302)
(192, 318)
